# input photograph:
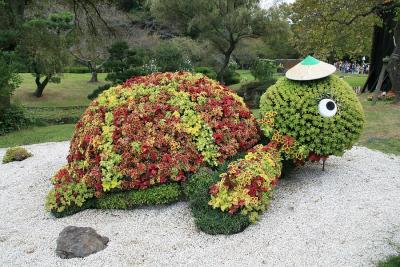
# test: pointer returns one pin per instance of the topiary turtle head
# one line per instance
(324, 117)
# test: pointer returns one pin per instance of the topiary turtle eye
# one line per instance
(327, 108)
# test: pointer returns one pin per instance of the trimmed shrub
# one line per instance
(152, 130)
(158, 195)
(13, 118)
(72, 209)
(121, 76)
(303, 121)
(207, 71)
(231, 77)
(252, 91)
(324, 116)
(16, 154)
(263, 69)
(207, 219)
(170, 57)
(125, 62)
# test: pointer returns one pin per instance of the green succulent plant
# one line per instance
(324, 116)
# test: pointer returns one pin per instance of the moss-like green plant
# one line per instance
(16, 154)
(390, 262)
(207, 219)
(298, 109)
(157, 195)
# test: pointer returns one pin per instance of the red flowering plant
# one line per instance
(152, 130)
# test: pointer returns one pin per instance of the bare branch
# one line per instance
(101, 18)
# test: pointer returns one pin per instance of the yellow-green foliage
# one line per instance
(16, 154)
(67, 192)
(247, 183)
(294, 106)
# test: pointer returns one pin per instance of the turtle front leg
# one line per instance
(226, 203)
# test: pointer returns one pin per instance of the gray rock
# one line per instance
(79, 242)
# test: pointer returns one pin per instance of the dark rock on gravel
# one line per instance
(79, 242)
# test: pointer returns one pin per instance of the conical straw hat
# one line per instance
(310, 69)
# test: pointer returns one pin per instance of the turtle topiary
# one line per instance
(144, 141)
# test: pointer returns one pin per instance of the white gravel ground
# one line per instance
(348, 215)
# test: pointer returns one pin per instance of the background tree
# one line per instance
(169, 56)
(275, 43)
(90, 51)
(125, 62)
(11, 17)
(249, 50)
(9, 80)
(279, 33)
(343, 25)
(315, 31)
(44, 48)
(128, 5)
(222, 22)
(394, 61)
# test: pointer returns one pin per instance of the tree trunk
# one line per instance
(93, 71)
(40, 85)
(227, 55)
(382, 46)
(394, 64)
(94, 76)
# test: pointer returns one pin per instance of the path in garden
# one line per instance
(348, 215)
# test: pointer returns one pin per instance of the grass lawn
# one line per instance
(52, 133)
(355, 80)
(245, 76)
(382, 129)
(72, 91)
